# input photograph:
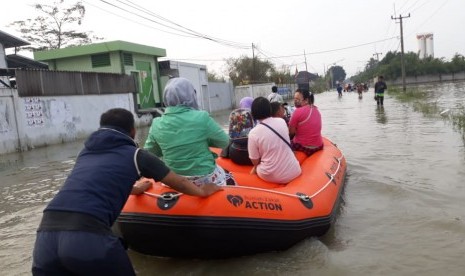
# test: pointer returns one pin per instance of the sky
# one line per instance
(298, 35)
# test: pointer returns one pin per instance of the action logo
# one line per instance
(235, 200)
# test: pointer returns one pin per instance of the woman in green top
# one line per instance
(183, 134)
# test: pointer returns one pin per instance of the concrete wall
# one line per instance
(29, 122)
(428, 79)
(253, 91)
(211, 96)
(221, 95)
(8, 127)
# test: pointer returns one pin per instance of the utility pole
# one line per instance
(253, 65)
(306, 69)
(377, 55)
(305, 61)
(402, 64)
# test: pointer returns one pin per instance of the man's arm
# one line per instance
(183, 185)
(152, 167)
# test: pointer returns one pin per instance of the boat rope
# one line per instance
(301, 196)
(171, 196)
(331, 177)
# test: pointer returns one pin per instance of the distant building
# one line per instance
(196, 73)
(14, 61)
(120, 57)
(305, 79)
(425, 45)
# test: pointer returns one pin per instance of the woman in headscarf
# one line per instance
(240, 124)
(183, 134)
(246, 102)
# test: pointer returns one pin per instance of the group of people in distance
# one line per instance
(262, 135)
(74, 236)
(380, 87)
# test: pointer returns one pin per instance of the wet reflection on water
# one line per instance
(381, 115)
(401, 214)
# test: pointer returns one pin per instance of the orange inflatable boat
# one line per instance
(253, 217)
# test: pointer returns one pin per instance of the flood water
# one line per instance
(402, 211)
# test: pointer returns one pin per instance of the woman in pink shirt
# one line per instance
(269, 146)
(305, 124)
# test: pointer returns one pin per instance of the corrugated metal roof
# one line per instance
(97, 48)
(10, 41)
(17, 61)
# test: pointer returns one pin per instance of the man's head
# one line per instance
(380, 78)
(261, 108)
(119, 118)
(274, 89)
(277, 110)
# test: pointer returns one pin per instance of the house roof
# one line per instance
(98, 48)
(17, 61)
(10, 41)
(303, 77)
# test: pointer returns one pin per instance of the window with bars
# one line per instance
(100, 60)
(127, 59)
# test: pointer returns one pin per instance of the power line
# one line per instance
(143, 17)
(139, 23)
(409, 8)
(177, 27)
(232, 43)
(431, 16)
(418, 7)
(400, 9)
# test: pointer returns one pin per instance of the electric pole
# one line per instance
(377, 55)
(402, 64)
(253, 65)
(306, 69)
(305, 56)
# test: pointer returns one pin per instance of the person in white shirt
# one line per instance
(269, 146)
(274, 96)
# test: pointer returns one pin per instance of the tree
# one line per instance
(53, 28)
(337, 74)
(457, 64)
(213, 77)
(245, 70)
(371, 64)
(281, 76)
